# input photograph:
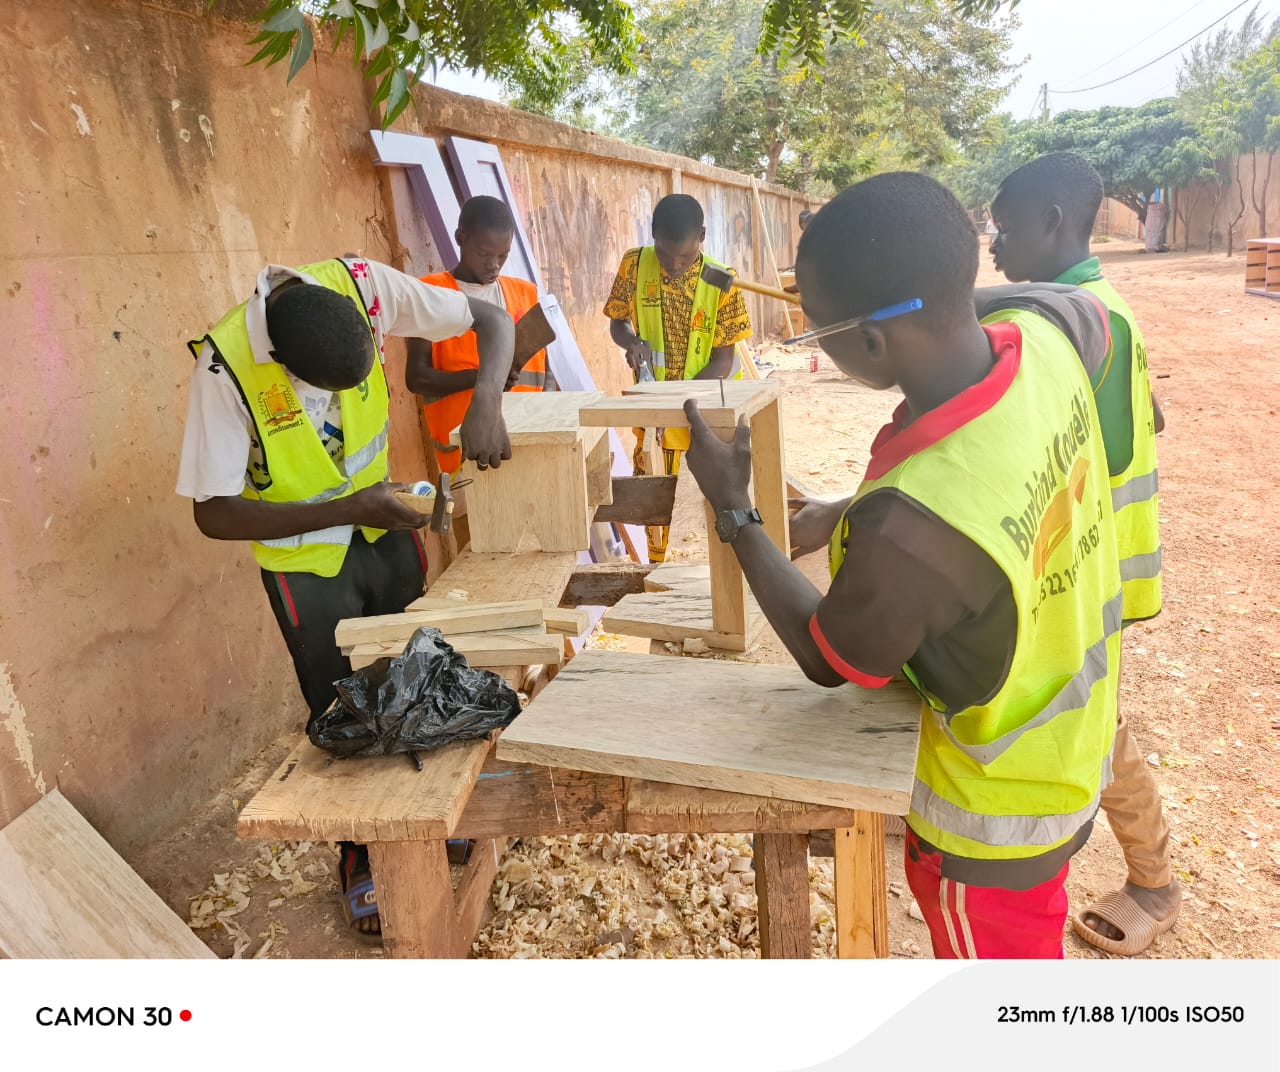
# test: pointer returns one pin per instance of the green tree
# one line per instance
(1252, 99)
(984, 159)
(1132, 148)
(919, 81)
(533, 47)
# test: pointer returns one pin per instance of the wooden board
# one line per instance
(65, 892)
(564, 620)
(315, 797)
(677, 615)
(661, 405)
(763, 730)
(640, 500)
(862, 910)
(782, 891)
(525, 648)
(524, 800)
(539, 417)
(542, 490)
(458, 617)
(494, 577)
(663, 808)
(603, 584)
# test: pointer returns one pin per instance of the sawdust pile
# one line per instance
(612, 896)
(231, 892)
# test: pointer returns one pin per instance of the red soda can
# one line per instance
(813, 361)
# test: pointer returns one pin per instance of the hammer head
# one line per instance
(442, 511)
(717, 277)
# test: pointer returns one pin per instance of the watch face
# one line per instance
(726, 527)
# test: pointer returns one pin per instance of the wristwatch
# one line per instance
(730, 522)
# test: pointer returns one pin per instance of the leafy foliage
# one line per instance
(538, 49)
(918, 79)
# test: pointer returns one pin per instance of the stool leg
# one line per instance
(862, 909)
(415, 898)
(782, 888)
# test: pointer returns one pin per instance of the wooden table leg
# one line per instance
(415, 898)
(782, 888)
(862, 909)
(474, 906)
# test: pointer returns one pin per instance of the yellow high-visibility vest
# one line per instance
(1135, 490)
(702, 318)
(298, 469)
(1018, 775)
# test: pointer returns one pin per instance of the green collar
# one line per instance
(1087, 271)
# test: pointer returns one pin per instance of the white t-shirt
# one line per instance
(490, 292)
(219, 443)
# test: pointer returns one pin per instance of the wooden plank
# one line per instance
(677, 615)
(473, 905)
(415, 898)
(459, 617)
(692, 577)
(485, 650)
(764, 730)
(604, 584)
(566, 621)
(498, 576)
(782, 889)
(66, 893)
(526, 800)
(729, 591)
(599, 467)
(537, 418)
(862, 909)
(316, 797)
(664, 808)
(661, 405)
(640, 500)
(769, 474)
(542, 490)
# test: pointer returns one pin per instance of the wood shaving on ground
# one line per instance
(281, 872)
(614, 896)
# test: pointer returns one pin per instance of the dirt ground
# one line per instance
(1200, 688)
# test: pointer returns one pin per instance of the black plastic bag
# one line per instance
(420, 700)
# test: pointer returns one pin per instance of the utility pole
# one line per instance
(1044, 102)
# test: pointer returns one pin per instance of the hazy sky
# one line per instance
(1074, 45)
(1084, 43)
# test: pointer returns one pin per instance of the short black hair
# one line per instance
(806, 214)
(484, 213)
(1067, 180)
(888, 239)
(320, 336)
(677, 216)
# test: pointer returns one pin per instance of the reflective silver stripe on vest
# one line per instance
(1071, 697)
(336, 535)
(1046, 830)
(1141, 567)
(1139, 489)
(531, 379)
(354, 463)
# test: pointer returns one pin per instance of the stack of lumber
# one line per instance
(518, 633)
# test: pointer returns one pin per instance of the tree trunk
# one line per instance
(1231, 227)
(775, 155)
(1266, 183)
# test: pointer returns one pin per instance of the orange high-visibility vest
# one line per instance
(453, 355)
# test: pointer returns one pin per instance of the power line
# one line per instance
(1121, 78)
(1129, 50)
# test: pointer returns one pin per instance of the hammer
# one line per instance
(439, 503)
(724, 280)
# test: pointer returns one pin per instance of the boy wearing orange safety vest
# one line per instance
(446, 371)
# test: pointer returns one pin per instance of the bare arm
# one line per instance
(233, 517)
(1159, 413)
(429, 382)
(484, 433)
(634, 349)
(720, 367)
(788, 599)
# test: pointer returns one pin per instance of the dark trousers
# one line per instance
(376, 578)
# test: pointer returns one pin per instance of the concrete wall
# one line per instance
(146, 174)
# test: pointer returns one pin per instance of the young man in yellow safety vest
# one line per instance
(286, 448)
(978, 557)
(671, 324)
(1045, 212)
(446, 370)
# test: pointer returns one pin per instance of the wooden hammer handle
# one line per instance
(760, 288)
